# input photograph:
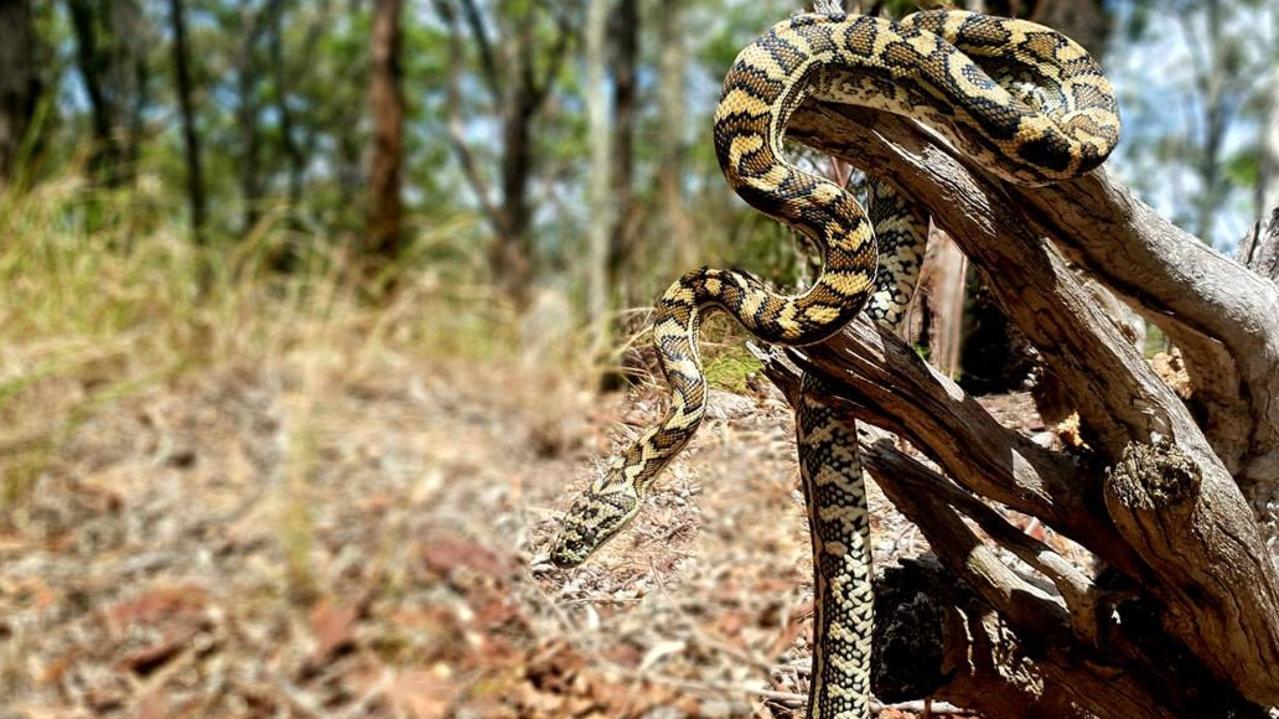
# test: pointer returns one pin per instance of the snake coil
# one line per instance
(1022, 101)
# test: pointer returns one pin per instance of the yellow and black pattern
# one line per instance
(843, 603)
(901, 231)
(1053, 117)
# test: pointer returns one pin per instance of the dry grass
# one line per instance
(280, 497)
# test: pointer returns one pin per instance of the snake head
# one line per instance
(596, 515)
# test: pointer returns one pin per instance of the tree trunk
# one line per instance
(603, 205)
(938, 315)
(511, 258)
(247, 83)
(1216, 121)
(519, 92)
(670, 174)
(1184, 619)
(19, 83)
(1268, 183)
(1259, 250)
(625, 43)
(385, 234)
(190, 133)
(88, 57)
(280, 75)
(109, 41)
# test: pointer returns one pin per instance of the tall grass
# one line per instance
(103, 296)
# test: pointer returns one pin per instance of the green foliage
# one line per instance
(729, 368)
(132, 239)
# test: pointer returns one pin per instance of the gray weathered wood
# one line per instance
(1169, 516)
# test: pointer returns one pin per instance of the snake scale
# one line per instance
(1020, 100)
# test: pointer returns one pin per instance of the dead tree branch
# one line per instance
(1152, 494)
(1207, 302)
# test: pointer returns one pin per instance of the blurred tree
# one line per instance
(1189, 125)
(624, 37)
(19, 81)
(517, 71)
(1267, 198)
(1221, 98)
(603, 200)
(386, 101)
(1268, 185)
(671, 170)
(283, 88)
(110, 40)
(190, 134)
(253, 26)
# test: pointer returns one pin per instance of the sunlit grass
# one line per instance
(104, 298)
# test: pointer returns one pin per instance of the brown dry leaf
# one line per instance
(731, 623)
(449, 555)
(423, 693)
(150, 658)
(155, 705)
(10, 542)
(155, 606)
(333, 626)
(57, 668)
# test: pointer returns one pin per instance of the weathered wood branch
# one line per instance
(1186, 537)
(1175, 280)
(897, 390)
(985, 637)
(934, 636)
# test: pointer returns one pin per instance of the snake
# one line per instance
(1017, 100)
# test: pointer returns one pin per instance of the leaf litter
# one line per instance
(260, 542)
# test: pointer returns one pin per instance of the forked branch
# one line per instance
(1170, 516)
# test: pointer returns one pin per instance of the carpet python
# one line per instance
(1022, 101)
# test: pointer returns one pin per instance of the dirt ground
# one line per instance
(250, 544)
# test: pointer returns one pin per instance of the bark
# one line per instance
(1044, 640)
(19, 83)
(386, 104)
(186, 106)
(1185, 620)
(1259, 250)
(1221, 318)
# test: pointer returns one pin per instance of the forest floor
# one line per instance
(240, 542)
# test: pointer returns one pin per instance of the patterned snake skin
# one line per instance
(1025, 103)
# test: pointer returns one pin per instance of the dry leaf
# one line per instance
(155, 705)
(156, 606)
(423, 693)
(447, 556)
(333, 626)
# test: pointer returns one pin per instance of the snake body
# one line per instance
(1022, 101)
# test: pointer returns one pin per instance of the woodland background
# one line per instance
(308, 308)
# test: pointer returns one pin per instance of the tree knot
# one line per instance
(1153, 476)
